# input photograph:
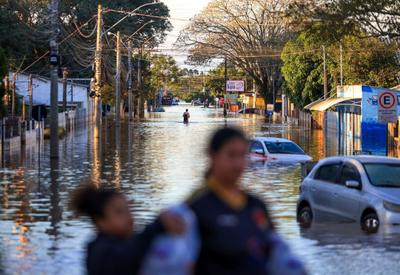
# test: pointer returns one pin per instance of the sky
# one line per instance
(181, 9)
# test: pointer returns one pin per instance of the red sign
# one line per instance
(387, 100)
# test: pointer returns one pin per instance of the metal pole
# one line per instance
(325, 74)
(130, 79)
(341, 65)
(23, 109)
(54, 79)
(65, 86)
(226, 80)
(273, 90)
(14, 86)
(3, 121)
(30, 93)
(118, 83)
(72, 92)
(7, 92)
(139, 80)
(254, 94)
(97, 100)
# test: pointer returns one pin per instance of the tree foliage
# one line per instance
(164, 73)
(29, 22)
(366, 61)
(375, 18)
(249, 33)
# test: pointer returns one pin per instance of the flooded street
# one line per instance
(156, 163)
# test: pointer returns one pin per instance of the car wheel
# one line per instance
(305, 216)
(370, 223)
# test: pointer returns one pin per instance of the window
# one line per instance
(383, 175)
(288, 148)
(328, 173)
(256, 147)
(349, 173)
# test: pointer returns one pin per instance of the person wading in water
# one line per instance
(186, 116)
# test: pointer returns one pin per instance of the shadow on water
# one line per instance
(155, 163)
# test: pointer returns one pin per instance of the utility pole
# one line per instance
(72, 92)
(225, 87)
(325, 74)
(273, 89)
(341, 64)
(30, 93)
(130, 79)
(23, 109)
(139, 82)
(65, 86)
(118, 83)
(14, 87)
(97, 85)
(54, 61)
(7, 93)
(254, 94)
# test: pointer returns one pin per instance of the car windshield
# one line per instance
(383, 175)
(283, 148)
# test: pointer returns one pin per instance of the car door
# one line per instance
(346, 201)
(257, 150)
(323, 186)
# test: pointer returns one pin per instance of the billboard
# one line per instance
(235, 86)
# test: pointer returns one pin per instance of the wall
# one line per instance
(41, 91)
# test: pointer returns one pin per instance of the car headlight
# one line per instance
(391, 206)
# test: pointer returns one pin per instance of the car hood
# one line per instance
(388, 194)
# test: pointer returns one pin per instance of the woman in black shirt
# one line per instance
(234, 226)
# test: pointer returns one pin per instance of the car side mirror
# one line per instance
(353, 184)
(259, 151)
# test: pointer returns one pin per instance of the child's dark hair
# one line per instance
(91, 201)
(222, 137)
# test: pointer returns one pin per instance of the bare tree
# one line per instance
(249, 33)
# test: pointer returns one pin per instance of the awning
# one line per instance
(323, 105)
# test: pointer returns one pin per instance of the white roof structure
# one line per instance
(41, 91)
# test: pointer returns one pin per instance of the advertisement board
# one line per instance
(235, 86)
(379, 106)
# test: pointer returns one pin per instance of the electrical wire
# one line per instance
(61, 42)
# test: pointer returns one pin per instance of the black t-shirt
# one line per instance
(107, 255)
(232, 241)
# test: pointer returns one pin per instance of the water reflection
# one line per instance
(155, 163)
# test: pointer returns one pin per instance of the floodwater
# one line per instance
(156, 163)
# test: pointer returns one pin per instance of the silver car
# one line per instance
(362, 189)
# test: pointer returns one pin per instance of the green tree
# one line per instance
(163, 74)
(29, 23)
(366, 61)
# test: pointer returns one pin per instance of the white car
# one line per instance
(276, 150)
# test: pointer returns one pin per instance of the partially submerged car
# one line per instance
(362, 189)
(277, 150)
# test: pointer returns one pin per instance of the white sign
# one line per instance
(387, 103)
(235, 86)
